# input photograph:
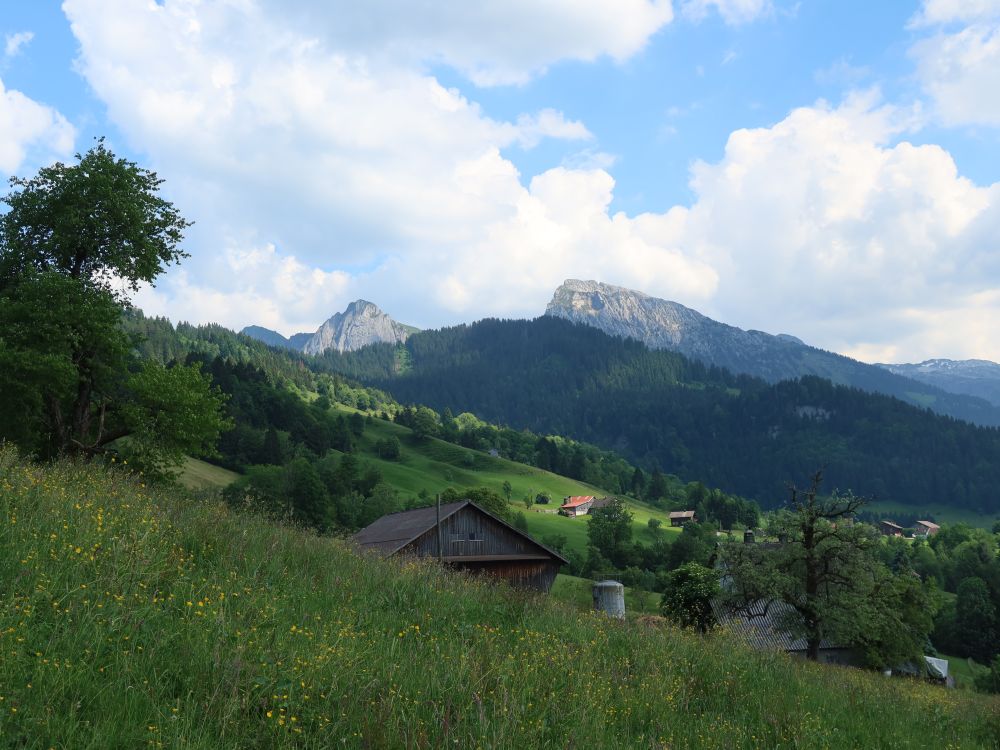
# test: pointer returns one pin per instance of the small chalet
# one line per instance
(925, 528)
(681, 517)
(468, 538)
(578, 505)
(888, 528)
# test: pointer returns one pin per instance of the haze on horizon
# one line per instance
(826, 170)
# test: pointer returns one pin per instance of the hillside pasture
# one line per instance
(135, 617)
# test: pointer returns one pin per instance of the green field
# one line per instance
(198, 475)
(138, 617)
(434, 465)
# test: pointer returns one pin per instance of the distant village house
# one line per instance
(888, 528)
(926, 528)
(578, 505)
(581, 505)
(681, 517)
(467, 538)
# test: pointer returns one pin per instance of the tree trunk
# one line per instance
(812, 647)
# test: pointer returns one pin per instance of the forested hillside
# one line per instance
(663, 411)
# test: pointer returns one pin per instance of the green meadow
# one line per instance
(434, 465)
(139, 617)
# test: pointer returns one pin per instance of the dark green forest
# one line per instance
(665, 412)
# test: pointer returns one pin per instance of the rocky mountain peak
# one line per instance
(362, 323)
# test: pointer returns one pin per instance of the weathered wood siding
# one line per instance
(475, 542)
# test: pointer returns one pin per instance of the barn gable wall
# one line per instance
(470, 533)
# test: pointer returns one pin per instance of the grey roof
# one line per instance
(682, 514)
(389, 533)
(761, 626)
(392, 532)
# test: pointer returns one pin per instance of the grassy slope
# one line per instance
(434, 465)
(198, 475)
(131, 618)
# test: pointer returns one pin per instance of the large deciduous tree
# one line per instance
(100, 220)
(826, 574)
(75, 241)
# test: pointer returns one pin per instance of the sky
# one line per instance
(824, 168)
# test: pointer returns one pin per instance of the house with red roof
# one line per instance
(577, 505)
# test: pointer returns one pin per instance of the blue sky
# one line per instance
(826, 169)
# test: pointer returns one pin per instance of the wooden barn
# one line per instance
(468, 538)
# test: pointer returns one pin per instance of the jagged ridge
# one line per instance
(662, 324)
(362, 323)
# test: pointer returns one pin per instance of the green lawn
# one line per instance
(198, 475)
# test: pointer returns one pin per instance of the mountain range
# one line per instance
(361, 324)
(973, 377)
(968, 390)
(972, 394)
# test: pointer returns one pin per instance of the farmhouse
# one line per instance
(925, 528)
(681, 517)
(578, 505)
(888, 528)
(468, 538)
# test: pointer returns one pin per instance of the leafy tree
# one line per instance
(695, 544)
(273, 453)
(657, 486)
(357, 424)
(976, 620)
(654, 524)
(73, 240)
(484, 497)
(310, 502)
(98, 221)
(507, 489)
(828, 577)
(688, 594)
(424, 423)
(610, 529)
(389, 448)
(382, 501)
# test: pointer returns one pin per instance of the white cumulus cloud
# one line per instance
(14, 43)
(831, 226)
(319, 172)
(29, 128)
(959, 68)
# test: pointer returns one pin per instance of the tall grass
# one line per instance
(132, 618)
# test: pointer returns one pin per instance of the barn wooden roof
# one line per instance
(761, 626)
(392, 532)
